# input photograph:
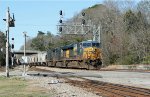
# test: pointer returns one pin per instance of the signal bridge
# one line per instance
(82, 28)
(78, 29)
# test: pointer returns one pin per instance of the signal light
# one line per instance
(60, 21)
(12, 46)
(12, 38)
(60, 29)
(83, 14)
(12, 54)
(12, 21)
(4, 19)
(60, 12)
(13, 17)
(83, 21)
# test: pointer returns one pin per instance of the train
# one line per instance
(85, 54)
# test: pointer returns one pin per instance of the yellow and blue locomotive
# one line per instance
(87, 52)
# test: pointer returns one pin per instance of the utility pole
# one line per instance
(7, 42)
(24, 66)
(9, 23)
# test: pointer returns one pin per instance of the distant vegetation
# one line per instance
(125, 32)
(2, 48)
(46, 40)
(94, 6)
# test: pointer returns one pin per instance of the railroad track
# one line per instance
(106, 89)
(119, 70)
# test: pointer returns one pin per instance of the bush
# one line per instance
(146, 60)
(113, 58)
(129, 59)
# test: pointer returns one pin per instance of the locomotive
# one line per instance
(86, 54)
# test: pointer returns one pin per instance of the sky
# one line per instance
(38, 15)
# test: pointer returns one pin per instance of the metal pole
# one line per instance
(12, 63)
(24, 66)
(99, 33)
(13, 54)
(7, 42)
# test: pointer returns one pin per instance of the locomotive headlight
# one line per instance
(92, 49)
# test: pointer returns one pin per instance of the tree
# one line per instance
(144, 8)
(2, 48)
(130, 20)
(43, 41)
(38, 43)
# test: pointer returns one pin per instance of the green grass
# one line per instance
(18, 87)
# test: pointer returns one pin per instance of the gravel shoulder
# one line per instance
(57, 86)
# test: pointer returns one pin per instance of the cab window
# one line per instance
(86, 44)
(95, 44)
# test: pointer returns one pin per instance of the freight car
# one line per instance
(37, 59)
(85, 54)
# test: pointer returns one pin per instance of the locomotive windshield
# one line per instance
(87, 44)
(91, 44)
(95, 44)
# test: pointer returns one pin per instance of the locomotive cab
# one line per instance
(92, 52)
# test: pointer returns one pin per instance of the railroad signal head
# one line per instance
(13, 17)
(60, 21)
(83, 21)
(12, 54)
(60, 12)
(12, 21)
(4, 19)
(83, 13)
(12, 46)
(60, 29)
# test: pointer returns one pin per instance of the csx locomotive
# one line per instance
(85, 54)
